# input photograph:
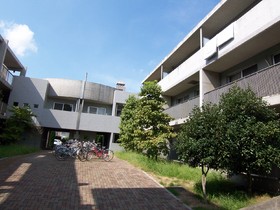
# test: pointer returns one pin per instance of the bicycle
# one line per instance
(74, 150)
(100, 152)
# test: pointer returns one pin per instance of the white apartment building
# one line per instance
(72, 109)
(238, 42)
(64, 108)
(9, 66)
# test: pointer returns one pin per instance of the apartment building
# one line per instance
(71, 109)
(238, 42)
(64, 108)
(9, 66)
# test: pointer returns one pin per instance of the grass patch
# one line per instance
(222, 194)
(15, 149)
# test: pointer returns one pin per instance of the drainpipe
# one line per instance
(80, 107)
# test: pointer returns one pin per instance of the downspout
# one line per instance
(80, 107)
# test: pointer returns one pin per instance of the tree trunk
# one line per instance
(203, 180)
(203, 183)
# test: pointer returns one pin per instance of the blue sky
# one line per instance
(110, 40)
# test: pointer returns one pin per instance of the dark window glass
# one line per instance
(58, 106)
(234, 77)
(15, 103)
(276, 58)
(67, 107)
(250, 70)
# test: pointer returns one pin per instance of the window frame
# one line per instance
(63, 106)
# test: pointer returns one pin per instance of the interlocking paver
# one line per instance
(39, 181)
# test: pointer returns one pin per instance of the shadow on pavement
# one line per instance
(39, 181)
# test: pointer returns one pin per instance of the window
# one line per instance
(97, 110)
(186, 97)
(250, 70)
(36, 106)
(179, 100)
(92, 110)
(25, 105)
(234, 77)
(15, 103)
(62, 106)
(119, 109)
(276, 58)
(67, 107)
(116, 138)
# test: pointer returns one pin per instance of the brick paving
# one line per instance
(39, 181)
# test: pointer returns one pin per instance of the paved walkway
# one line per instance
(39, 181)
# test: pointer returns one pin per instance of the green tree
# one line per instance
(153, 131)
(239, 135)
(19, 122)
(144, 127)
(251, 142)
(199, 139)
(128, 124)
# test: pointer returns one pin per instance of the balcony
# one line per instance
(265, 82)
(6, 75)
(182, 110)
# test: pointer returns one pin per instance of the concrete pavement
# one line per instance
(39, 181)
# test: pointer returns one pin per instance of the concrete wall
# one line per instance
(245, 28)
(29, 90)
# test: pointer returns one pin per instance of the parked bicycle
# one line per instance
(74, 149)
(99, 152)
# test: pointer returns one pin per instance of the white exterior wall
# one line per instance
(37, 91)
(185, 70)
(99, 123)
(259, 18)
(255, 21)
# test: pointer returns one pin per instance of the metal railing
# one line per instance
(265, 82)
(6, 74)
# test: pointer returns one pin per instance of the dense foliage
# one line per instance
(251, 138)
(239, 135)
(144, 127)
(14, 127)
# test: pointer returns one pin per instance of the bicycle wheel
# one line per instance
(89, 155)
(108, 155)
(60, 154)
(82, 155)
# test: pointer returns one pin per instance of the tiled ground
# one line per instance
(39, 181)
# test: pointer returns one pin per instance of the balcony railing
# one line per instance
(265, 82)
(182, 110)
(6, 75)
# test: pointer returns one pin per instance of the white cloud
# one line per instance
(20, 37)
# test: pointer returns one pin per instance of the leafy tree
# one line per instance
(144, 127)
(239, 135)
(19, 122)
(128, 124)
(199, 139)
(251, 142)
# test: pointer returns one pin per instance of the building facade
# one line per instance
(9, 66)
(237, 43)
(71, 109)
